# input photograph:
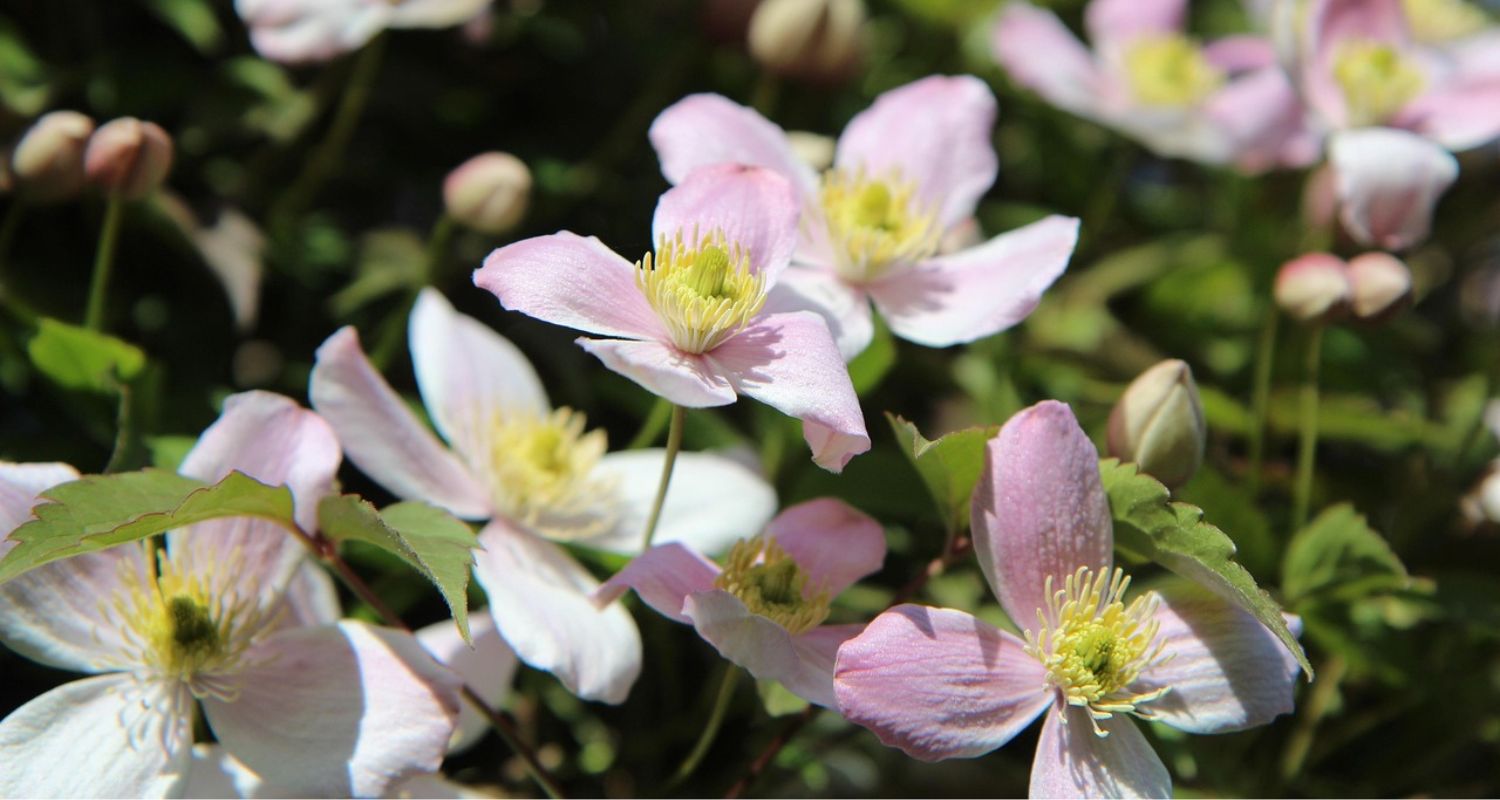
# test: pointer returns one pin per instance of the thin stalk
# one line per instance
(1308, 438)
(104, 260)
(1260, 396)
(9, 226)
(674, 443)
(652, 427)
(437, 247)
(769, 753)
(710, 730)
(1316, 706)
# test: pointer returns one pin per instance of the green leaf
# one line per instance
(1174, 535)
(777, 699)
(78, 358)
(194, 19)
(102, 511)
(1339, 553)
(949, 466)
(427, 538)
(870, 367)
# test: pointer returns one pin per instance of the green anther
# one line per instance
(709, 274)
(779, 584)
(872, 209)
(193, 628)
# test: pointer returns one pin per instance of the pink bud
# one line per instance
(1380, 285)
(128, 157)
(48, 161)
(489, 192)
(1313, 287)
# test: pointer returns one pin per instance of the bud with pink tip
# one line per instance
(489, 192)
(820, 40)
(48, 161)
(1158, 423)
(128, 157)
(1380, 285)
(1313, 288)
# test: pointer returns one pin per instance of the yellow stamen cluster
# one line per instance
(1377, 80)
(702, 288)
(1094, 646)
(1443, 20)
(1170, 70)
(876, 222)
(770, 584)
(541, 472)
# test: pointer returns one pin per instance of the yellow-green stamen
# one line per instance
(702, 288)
(1377, 81)
(876, 222)
(1443, 20)
(541, 472)
(1170, 70)
(766, 579)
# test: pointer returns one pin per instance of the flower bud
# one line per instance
(489, 192)
(1379, 286)
(814, 39)
(1158, 423)
(1313, 287)
(128, 157)
(813, 149)
(48, 161)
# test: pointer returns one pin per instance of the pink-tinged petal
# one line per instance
(712, 501)
(1241, 53)
(1458, 117)
(383, 437)
(1388, 182)
(789, 362)
(311, 598)
(344, 710)
(663, 577)
(107, 736)
(1330, 24)
(488, 667)
(469, 374)
(19, 486)
(704, 129)
(1041, 54)
(539, 598)
(761, 646)
(755, 208)
(684, 378)
(935, 132)
(1072, 761)
(833, 542)
(844, 309)
(1114, 23)
(569, 280)
(939, 683)
(299, 32)
(435, 13)
(1226, 671)
(977, 292)
(1039, 509)
(1264, 121)
(817, 651)
(59, 613)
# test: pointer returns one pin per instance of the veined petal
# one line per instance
(686, 379)
(1041, 54)
(1387, 182)
(488, 667)
(56, 614)
(311, 597)
(345, 710)
(755, 208)
(939, 683)
(832, 542)
(845, 309)
(1071, 761)
(761, 646)
(663, 576)
(704, 129)
(1113, 23)
(817, 650)
(1039, 509)
(712, 501)
(980, 291)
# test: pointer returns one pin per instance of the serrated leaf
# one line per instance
(101, 511)
(949, 465)
(78, 358)
(1175, 535)
(1339, 552)
(427, 538)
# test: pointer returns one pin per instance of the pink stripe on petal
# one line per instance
(689, 380)
(833, 542)
(663, 577)
(704, 129)
(755, 208)
(1072, 761)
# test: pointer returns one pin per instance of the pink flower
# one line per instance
(234, 619)
(907, 171)
(537, 477)
(1224, 103)
(939, 683)
(301, 31)
(690, 321)
(763, 609)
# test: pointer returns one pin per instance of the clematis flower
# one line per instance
(301, 31)
(1227, 102)
(908, 172)
(536, 476)
(690, 322)
(939, 683)
(765, 607)
(224, 619)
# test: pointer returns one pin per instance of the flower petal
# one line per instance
(939, 683)
(338, 710)
(845, 309)
(297, 31)
(1113, 23)
(1388, 181)
(19, 486)
(935, 132)
(833, 542)
(683, 378)
(1240, 53)
(711, 502)
(977, 292)
(1071, 761)
(1329, 25)
(98, 737)
(663, 577)
(1459, 116)
(817, 651)
(383, 437)
(754, 208)
(704, 129)
(571, 281)
(1264, 121)
(1039, 509)
(539, 598)
(311, 597)
(789, 362)
(1041, 54)
(59, 613)
(761, 646)
(213, 772)
(488, 667)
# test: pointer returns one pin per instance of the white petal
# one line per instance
(56, 613)
(1072, 761)
(488, 668)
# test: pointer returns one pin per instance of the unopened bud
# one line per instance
(489, 192)
(1158, 424)
(1379, 285)
(128, 157)
(812, 149)
(1313, 287)
(815, 39)
(48, 161)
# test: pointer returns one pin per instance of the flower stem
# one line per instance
(651, 428)
(674, 443)
(1260, 397)
(727, 683)
(1308, 439)
(104, 259)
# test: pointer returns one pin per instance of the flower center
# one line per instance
(1377, 81)
(1442, 20)
(703, 289)
(1170, 70)
(876, 223)
(1095, 646)
(771, 584)
(541, 472)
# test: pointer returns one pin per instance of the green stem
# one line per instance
(9, 226)
(1308, 440)
(437, 247)
(711, 730)
(1260, 397)
(767, 87)
(674, 443)
(651, 428)
(104, 259)
(1316, 706)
